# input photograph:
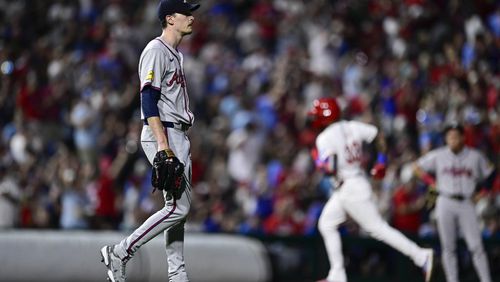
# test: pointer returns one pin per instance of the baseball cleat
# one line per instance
(116, 267)
(428, 265)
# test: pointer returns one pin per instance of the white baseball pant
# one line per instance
(355, 198)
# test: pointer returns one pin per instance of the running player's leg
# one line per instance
(470, 228)
(445, 216)
(364, 211)
(331, 217)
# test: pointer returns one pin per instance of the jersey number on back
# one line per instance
(353, 152)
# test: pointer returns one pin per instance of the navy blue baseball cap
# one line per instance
(454, 126)
(170, 7)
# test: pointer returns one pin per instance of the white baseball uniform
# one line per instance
(161, 67)
(456, 178)
(354, 196)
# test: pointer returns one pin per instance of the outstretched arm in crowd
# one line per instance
(380, 144)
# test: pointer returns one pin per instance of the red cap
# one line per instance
(323, 112)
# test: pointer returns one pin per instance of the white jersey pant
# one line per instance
(355, 198)
(171, 218)
(449, 213)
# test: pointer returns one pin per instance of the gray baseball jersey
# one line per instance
(161, 67)
(457, 175)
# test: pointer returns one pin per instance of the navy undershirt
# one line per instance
(149, 101)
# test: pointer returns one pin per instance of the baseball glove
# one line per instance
(430, 198)
(167, 172)
(378, 171)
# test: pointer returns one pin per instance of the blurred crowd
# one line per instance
(70, 156)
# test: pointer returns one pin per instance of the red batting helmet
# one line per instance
(323, 112)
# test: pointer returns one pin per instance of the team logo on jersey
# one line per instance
(458, 171)
(178, 78)
(150, 76)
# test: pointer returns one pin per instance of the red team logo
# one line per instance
(458, 171)
(353, 152)
(178, 78)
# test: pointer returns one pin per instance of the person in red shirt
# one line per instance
(284, 221)
(407, 203)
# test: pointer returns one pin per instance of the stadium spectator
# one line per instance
(9, 200)
(408, 203)
(68, 83)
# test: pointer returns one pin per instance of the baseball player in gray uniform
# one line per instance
(338, 154)
(166, 116)
(458, 169)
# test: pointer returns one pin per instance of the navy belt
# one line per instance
(176, 125)
(455, 196)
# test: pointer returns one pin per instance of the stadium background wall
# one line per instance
(219, 257)
(74, 256)
(299, 259)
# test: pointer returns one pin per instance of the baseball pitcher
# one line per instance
(166, 116)
(458, 169)
(339, 151)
